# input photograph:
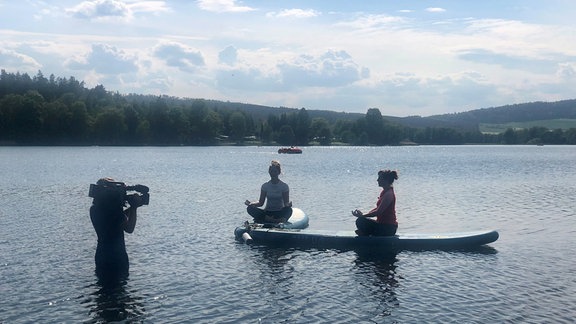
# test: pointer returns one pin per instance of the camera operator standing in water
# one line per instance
(111, 220)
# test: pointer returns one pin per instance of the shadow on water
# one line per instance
(483, 249)
(277, 284)
(376, 273)
(274, 257)
(111, 301)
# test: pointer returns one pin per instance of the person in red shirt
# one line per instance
(385, 223)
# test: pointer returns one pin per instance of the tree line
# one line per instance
(62, 111)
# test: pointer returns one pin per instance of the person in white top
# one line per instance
(276, 194)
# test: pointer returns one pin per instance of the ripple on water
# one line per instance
(186, 267)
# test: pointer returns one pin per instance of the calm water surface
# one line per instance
(186, 267)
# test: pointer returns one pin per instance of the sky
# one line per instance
(409, 57)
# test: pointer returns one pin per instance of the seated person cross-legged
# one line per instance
(385, 223)
(276, 194)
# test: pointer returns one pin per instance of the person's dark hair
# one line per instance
(388, 175)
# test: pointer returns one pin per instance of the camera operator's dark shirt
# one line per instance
(111, 257)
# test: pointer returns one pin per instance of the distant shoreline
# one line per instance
(278, 145)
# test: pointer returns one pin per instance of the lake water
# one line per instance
(185, 265)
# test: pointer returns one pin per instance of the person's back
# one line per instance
(111, 257)
(388, 214)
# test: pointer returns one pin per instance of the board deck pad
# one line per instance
(349, 239)
(298, 220)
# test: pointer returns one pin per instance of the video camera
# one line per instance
(118, 191)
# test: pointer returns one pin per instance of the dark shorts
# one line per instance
(265, 216)
(370, 227)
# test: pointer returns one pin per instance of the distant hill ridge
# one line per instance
(526, 112)
(470, 120)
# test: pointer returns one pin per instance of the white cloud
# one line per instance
(105, 59)
(123, 10)
(149, 6)
(331, 69)
(328, 70)
(507, 61)
(10, 58)
(179, 56)
(567, 71)
(435, 9)
(222, 6)
(228, 56)
(294, 13)
(99, 9)
(371, 21)
(405, 61)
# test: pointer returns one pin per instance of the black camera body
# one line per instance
(119, 191)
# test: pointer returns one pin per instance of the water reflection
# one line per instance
(111, 301)
(275, 258)
(275, 265)
(483, 249)
(376, 272)
(276, 292)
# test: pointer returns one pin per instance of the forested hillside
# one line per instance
(517, 113)
(565, 109)
(62, 111)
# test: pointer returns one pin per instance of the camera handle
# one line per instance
(140, 188)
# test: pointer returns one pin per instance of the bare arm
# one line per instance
(286, 198)
(135, 201)
(131, 217)
(260, 201)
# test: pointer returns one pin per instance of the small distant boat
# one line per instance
(289, 150)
